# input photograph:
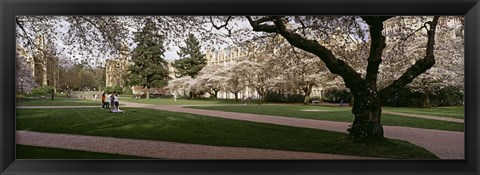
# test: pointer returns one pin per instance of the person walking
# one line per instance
(103, 100)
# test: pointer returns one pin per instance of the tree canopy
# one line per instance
(192, 60)
(149, 69)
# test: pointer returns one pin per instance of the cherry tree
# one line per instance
(304, 71)
(180, 85)
(236, 77)
(211, 78)
(367, 96)
(406, 39)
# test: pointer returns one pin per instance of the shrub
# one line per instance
(276, 97)
(127, 91)
(42, 90)
(406, 97)
(447, 96)
(335, 95)
(111, 89)
(317, 98)
(107, 90)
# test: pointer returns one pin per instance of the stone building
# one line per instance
(116, 68)
(30, 61)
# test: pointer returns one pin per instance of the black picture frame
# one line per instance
(10, 8)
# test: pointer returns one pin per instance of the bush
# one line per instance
(336, 95)
(275, 97)
(127, 91)
(42, 90)
(156, 96)
(447, 96)
(315, 98)
(406, 97)
(115, 88)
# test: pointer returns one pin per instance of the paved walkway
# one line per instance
(444, 144)
(161, 149)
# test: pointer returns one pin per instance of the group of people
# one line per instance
(112, 99)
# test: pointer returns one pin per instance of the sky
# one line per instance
(170, 54)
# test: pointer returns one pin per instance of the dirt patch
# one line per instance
(314, 110)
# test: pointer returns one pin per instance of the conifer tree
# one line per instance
(149, 69)
(191, 59)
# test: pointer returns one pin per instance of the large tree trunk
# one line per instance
(308, 91)
(148, 93)
(306, 99)
(426, 100)
(216, 94)
(367, 110)
(236, 96)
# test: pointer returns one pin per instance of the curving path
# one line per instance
(161, 149)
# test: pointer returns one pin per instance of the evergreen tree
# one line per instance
(149, 69)
(191, 59)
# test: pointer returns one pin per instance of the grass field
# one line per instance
(34, 152)
(450, 111)
(57, 101)
(342, 114)
(188, 128)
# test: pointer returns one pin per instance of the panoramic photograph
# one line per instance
(240, 87)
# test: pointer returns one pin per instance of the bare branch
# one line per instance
(257, 26)
(335, 65)
(24, 31)
(222, 26)
(418, 68)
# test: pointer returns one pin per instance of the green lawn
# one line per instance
(342, 114)
(170, 101)
(450, 111)
(34, 152)
(57, 101)
(188, 128)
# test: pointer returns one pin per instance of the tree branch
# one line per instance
(222, 26)
(102, 31)
(376, 47)
(257, 26)
(418, 68)
(336, 66)
(24, 31)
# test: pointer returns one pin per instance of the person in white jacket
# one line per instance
(116, 100)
